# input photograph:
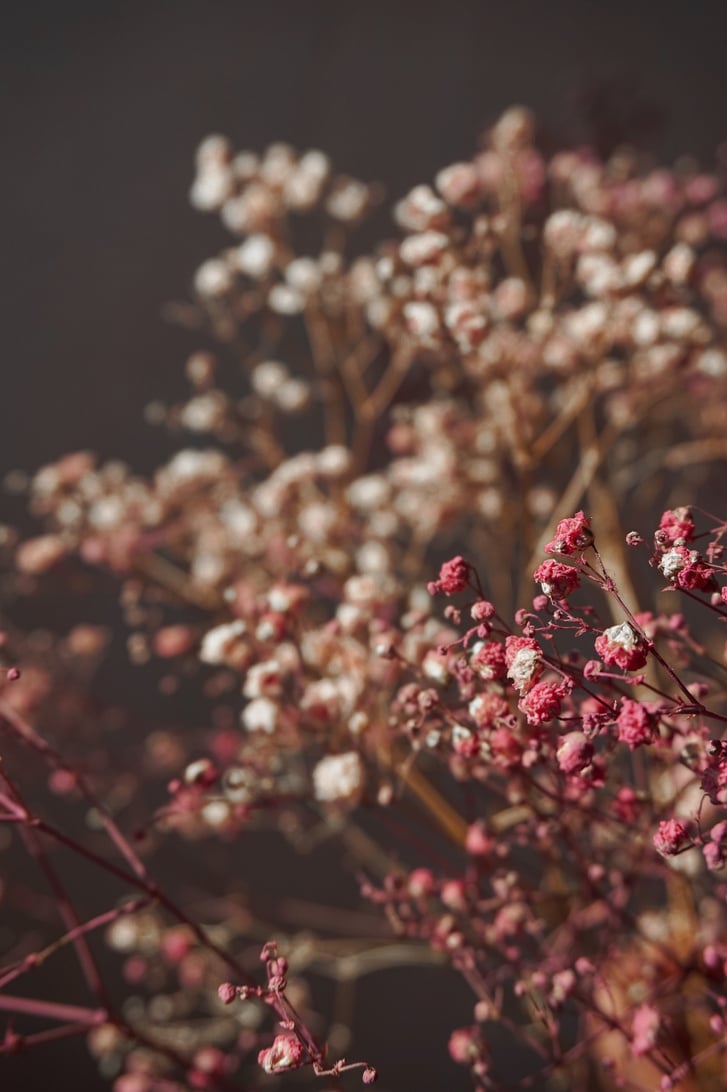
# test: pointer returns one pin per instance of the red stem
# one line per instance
(52, 1010)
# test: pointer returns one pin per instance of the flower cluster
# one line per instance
(541, 334)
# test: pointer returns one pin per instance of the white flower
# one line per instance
(190, 466)
(419, 209)
(260, 715)
(303, 275)
(333, 461)
(255, 256)
(267, 377)
(210, 188)
(348, 202)
(217, 642)
(213, 278)
(672, 562)
(525, 668)
(425, 247)
(623, 636)
(285, 300)
(263, 678)
(422, 321)
(338, 777)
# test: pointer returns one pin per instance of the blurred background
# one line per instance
(105, 105)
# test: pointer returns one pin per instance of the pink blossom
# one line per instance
(714, 777)
(482, 611)
(571, 534)
(421, 883)
(635, 724)
(454, 895)
(686, 569)
(478, 842)
(715, 850)
(670, 837)
(542, 702)
(644, 1029)
(575, 753)
(465, 742)
(626, 805)
(488, 660)
(487, 709)
(227, 993)
(463, 1045)
(621, 646)
(506, 748)
(676, 523)
(454, 577)
(285, 1053)
(556, 580)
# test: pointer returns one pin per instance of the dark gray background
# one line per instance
(104, 105)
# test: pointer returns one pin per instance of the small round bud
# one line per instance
(226, 993)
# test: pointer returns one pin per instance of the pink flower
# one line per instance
(571, 534)
(506, 748)
(626, 805)
(675, 524)
(715, 850)
(714, 777)
(421, 883)
(644, 1029)
(464, 1046)
(454, 895)
(478, 842)
(556, 580)
(670, 837)
(453, 577)
(482, 611)
(487, 709)
(488, 660)
(542, 702)
(686, 569)
(635, 724)
(285, 1053)
(574, 753)
(621, 646)
(227, 993)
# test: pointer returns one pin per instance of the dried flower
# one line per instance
(621, 646)
(285, 1053)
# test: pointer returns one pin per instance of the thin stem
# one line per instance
(66, 909)
(52, 1010)
(35, 959)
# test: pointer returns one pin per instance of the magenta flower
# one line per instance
(453, 577)
(670, 838)
(621, 646)
(571, 534)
